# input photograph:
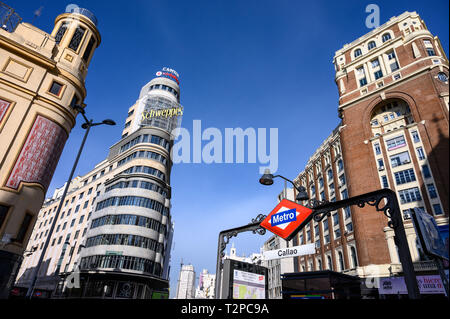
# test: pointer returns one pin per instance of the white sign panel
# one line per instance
(290, 252)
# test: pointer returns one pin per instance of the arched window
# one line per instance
(320, 264)
(371, 45)
(357, 53)
(386, 36)
(330, 264)
(341, 260)
(353, 255)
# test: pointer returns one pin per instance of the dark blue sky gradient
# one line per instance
(257, 64)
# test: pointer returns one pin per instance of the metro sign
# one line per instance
(286, 219)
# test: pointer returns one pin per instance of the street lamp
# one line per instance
(267, 179)
(87, 126)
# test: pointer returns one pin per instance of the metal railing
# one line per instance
(84, 12)
(9, 19)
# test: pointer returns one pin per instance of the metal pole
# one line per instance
(440, 268)
(47, 241)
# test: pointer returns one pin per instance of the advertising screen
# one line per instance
(248, 285)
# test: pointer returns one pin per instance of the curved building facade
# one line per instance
(127, 246)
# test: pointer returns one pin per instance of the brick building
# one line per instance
(393, 105)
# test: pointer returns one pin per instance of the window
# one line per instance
(77, 208)
(330, 264)
(335, 219)
(88, 50)
(3, 213)
(340, 165)
(76, 38)
(127, 124)
(353, 256)
(89, 191)
(374, 122)
(400, 159)
(437, 209)
(409, 195)
(344, 194)
(405, 176)
(386, 36)
(81, 219)
(85, 204)
(391, 55)
(81, 195)
(61, 31)
(347, 212)
(431, 52)
(322, 196)
(384, 181)
(316, 231)
(377, 148)
(362, 81)
(375, 63)
(341, 180)
(56, 88)
(357, 53)
(326, 239)
(406, 214)
(394, 66)
(72, 223)
(378, 74)
(59, 239)
(325, 225)
(349, 227)
(415, 136)
(64, 226)
(23, 228)
(432, 190)
(337, 233)
(371, 45)
(380, 164)
(321, 182)
(426, 171)
(76, 234)
(341, 260)
(420, 153)
(396, 142)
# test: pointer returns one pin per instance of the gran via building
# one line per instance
(115, 228)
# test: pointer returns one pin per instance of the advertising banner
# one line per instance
(431, 284)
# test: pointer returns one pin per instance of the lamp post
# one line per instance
(384, 200)
(87, 126)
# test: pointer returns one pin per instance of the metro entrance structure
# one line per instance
(383, 200)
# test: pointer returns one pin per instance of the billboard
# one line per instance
(168, 73)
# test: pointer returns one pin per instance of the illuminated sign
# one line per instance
(169, 74)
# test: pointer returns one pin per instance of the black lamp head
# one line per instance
(109, 122)
(267, 178)
(302, 194)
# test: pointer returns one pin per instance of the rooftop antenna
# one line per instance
(37, 13)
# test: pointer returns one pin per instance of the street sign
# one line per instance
(286, 219)
(428, 232)
(290, 252)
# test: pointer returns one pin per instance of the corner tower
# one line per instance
(41, 77)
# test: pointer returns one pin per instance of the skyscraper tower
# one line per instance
(116, 218)
(131, 231)
(42, 77)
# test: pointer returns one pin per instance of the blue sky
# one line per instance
(257, 64)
